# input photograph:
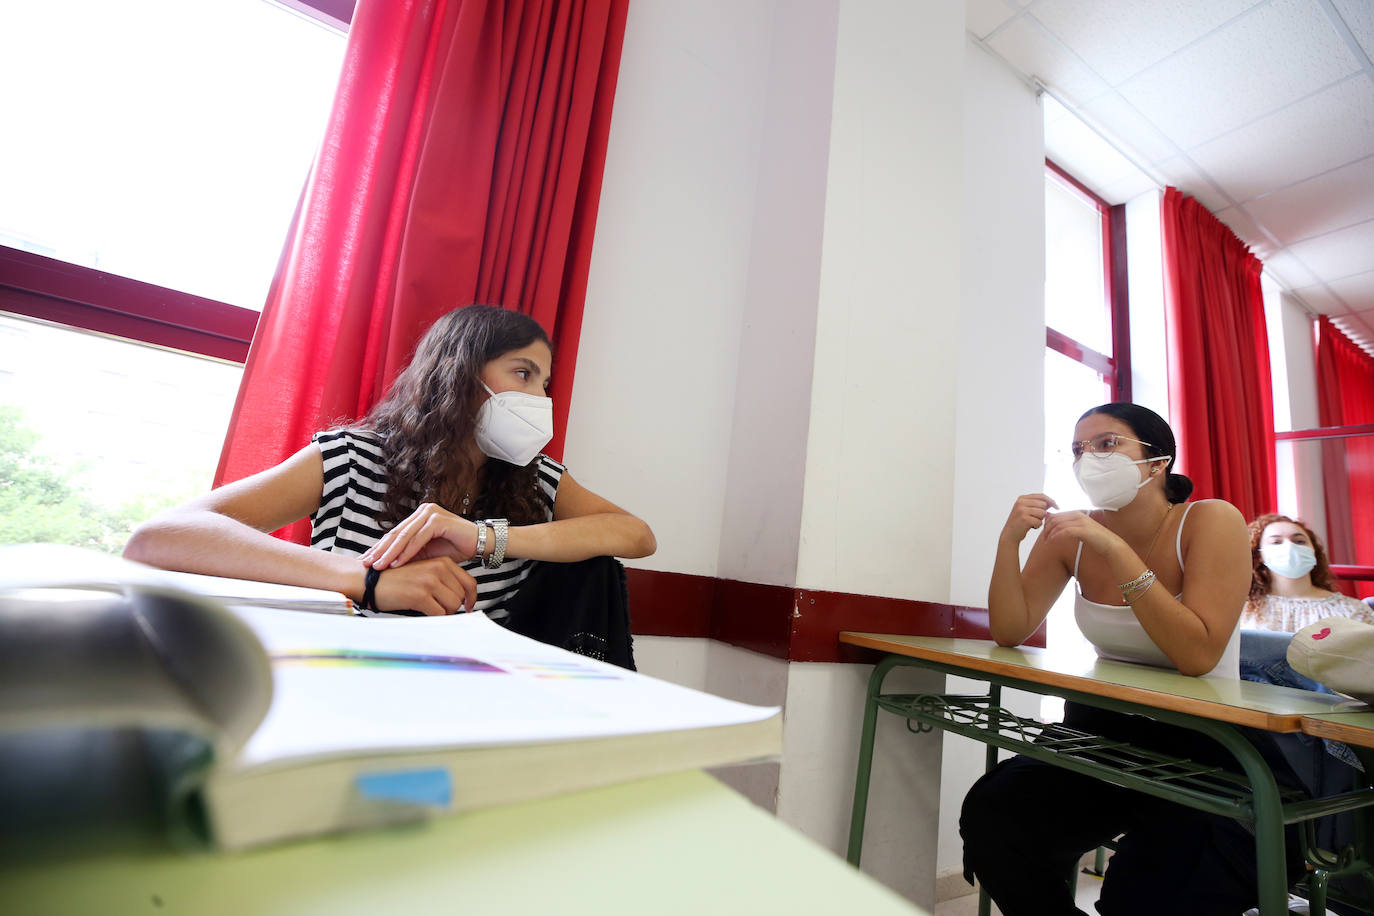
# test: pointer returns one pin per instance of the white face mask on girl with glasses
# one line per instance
(1108, 477)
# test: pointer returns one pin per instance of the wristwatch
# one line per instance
(498, 552)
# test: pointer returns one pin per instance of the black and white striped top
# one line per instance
(354, 489)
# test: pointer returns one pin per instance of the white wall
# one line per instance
(999, 426)
(670, 267)
(1145, 287)
(1000, 346)
(878, 454)
(1301, 487)
(795, 341)
(767, 457)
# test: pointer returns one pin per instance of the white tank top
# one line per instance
(1116, 634)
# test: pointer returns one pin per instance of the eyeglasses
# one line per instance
(1101, 444)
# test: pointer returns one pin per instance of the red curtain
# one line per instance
(461, 163)
(1345, 397)
(1220, 394)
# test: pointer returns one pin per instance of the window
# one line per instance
(168, 141)
(1086, 345)
(165, 148)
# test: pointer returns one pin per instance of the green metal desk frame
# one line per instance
(1253, 797)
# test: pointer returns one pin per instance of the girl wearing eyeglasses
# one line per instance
(1159, 581)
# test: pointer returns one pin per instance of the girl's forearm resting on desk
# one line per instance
(208, 542)
(204, 541)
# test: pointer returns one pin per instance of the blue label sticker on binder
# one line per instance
(431, 787)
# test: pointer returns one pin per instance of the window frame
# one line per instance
(84, 298)
(1115, 368)
(87, 299)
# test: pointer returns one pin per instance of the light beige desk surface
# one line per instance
(1278, 709)
(1354, 727)
(674, 844)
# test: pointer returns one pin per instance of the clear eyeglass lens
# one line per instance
(1103, 444)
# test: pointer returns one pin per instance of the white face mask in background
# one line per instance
(513, 426)
(1110, 481)
(1292, 561)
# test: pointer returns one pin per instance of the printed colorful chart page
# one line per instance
(345, 685)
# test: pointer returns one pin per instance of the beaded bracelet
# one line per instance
(1137, 586)
(1134, 596)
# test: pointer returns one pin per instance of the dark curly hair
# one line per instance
(1152, 429)
(1261, 581)
(431, 410)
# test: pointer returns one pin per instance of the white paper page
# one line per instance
(345, 685)
(57, 565)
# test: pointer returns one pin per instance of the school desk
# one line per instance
(1212, 706)
(682, 843)
(1352, 727)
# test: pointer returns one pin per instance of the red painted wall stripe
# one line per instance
(785, 622)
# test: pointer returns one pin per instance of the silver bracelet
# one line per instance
(1136, 582)
(481, 541)
(1137, 586)
(501, 528)
(1134, 596)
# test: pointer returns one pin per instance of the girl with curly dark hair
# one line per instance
(1291, 584)
(438, 501)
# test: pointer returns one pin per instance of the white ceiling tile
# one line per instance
(1119, 38)
(1052, 110)
(1359, 18)
(1026, 45)
(1289, 271)
(1268, 58)
(1320, 300)
(1327, 130)
(1118, 117)
(1183, 175)
(1334, 200)
(1343, 253)
(982, 16)
(1357, 291)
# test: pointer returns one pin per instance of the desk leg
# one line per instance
(1269, 853)
(994, 704)
(1273, 875)
(856, 820)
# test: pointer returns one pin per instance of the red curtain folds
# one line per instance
(461, 163)
(1220, 393)
(1345, 397)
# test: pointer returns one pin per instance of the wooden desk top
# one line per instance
(677, 844)
(1276, 709)
(1354, 727)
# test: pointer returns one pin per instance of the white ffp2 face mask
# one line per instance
(1111, 481)
(1292, 561)
(513, 426)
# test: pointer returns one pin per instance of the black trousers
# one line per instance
(1025, 825)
